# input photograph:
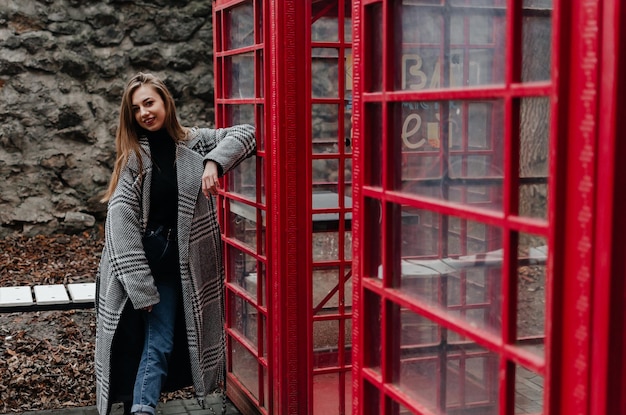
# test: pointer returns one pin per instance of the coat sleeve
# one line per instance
(128, 263)
(226, 146)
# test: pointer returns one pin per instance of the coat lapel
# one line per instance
(189, 169)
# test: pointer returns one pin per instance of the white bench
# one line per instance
(47, 297)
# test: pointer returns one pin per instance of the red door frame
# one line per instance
(588, 355)
(608, 346)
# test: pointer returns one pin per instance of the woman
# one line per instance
(159, 305)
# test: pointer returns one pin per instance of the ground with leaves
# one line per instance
(46, 358)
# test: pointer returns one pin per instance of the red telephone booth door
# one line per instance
(287, 67)
(486, 239)
(239, 59)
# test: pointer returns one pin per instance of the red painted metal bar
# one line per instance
(572, 250)
(608, 378)
(358, 165)
(288, 181)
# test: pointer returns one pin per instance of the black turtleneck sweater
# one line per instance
(164, 188)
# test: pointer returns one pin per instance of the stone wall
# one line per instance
(63, 66)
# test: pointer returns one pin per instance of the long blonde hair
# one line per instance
(127, 136)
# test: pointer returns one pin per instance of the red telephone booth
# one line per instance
(488, 251)
(439, 231)
(286, 66)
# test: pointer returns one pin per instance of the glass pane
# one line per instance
(263, 182)
(245, 368)
(473, 57)
(243, 270)
(372, 336)
(347, 124)
(325, 175)
(347, 244)
(266, 388)
(397, 408)
(325, 289)
(259, 75)
(325, 343)
(260, 127)
(373, 234)
(348, 70)
(452, 264)
(259, 22)
(263, 321)
(534, 161)
(373, 133)
(241, 76)
(240, 24)
(263, 284)
(348, 178)
(242, 220)
(242, 179)
(536, 40)
(470, 172)
(528, 392)
(325, 126)
(371, 395)
(325, 246)
(347, 24)
(326, 394)
(374, 47)
(240, 114)
(449, 376)
(325, 73)
(325, 28)
(531, 301)
(243, 318)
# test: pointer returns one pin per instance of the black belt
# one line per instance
(170, 233)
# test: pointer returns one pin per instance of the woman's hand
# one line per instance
(210, 182)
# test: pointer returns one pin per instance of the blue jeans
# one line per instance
(159, 323)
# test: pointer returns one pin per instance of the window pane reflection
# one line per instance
(240, 68)
(242, 219)
(242, 179)
(534, 155)
(531, 302)
(529, 391)
(243, 270)
(451, 150)
(325, 126)
(447, 376)
(452, 264)
(240, 22)
(243, 317)
(246, 368)
(536, 40)
(240, 114)
(442, 47)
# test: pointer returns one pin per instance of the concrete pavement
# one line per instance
(176, 407)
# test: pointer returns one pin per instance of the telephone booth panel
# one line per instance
(240, 98)
(330, 180)
(453, 153)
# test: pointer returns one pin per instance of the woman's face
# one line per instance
(148, 108)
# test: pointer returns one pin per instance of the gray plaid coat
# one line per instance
(124, 275)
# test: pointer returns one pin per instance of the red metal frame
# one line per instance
(391, 297)
(609, 379)
(328, 371)
(292, 363)
(248, 314)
